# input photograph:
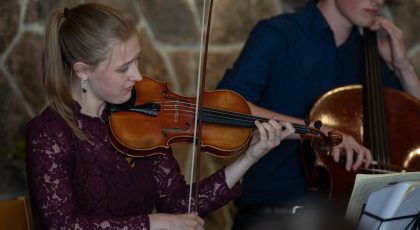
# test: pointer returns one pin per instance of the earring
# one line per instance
(82, 86)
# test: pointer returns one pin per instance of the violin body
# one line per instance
(137, 134)
(154, 117)
(342, 109)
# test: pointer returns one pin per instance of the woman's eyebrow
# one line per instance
(134, 58)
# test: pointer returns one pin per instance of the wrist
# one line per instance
(249, 158)
(157, 221)
(406, 69)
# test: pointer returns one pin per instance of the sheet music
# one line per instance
(365, 184)
(398, 200)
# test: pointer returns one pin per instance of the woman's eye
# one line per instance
(123, 70)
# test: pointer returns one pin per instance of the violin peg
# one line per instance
(307, 121)
(318, 124)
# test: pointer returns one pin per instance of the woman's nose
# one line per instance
(136, 75)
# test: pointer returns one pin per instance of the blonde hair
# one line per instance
(86, 33)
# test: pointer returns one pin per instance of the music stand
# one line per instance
(414, 220)
(393, 207)
(366, 184)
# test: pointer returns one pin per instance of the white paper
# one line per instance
(398, 200)
(365, 184)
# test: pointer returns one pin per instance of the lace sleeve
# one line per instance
(50, 165)
(173, 191)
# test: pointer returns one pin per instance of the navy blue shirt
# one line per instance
(287, 63)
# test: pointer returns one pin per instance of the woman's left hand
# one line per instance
(267, 136)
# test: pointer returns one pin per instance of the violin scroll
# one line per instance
(335, 137)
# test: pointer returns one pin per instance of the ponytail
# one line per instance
(85, 33)
(58, 73)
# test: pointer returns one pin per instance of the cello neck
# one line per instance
(375, 128)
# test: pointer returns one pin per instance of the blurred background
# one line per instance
(170, 40)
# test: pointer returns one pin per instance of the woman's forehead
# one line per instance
(122, 52)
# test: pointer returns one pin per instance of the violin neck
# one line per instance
(221, 117)
(214, 116)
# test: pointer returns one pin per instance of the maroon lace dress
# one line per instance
(77, 184)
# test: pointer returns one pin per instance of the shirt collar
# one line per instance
(314, 21)
(312, 18)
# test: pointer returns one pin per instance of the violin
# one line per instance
(155, 117)
(217, 122)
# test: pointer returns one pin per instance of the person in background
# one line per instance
(77, 179)
(287, 63)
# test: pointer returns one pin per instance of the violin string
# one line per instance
(248, 123)
(248, 119)
(214, 112)
(235, 117)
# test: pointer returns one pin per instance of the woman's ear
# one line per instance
(81, 69)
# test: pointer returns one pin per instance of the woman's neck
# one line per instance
(93, 109)
(89, 103)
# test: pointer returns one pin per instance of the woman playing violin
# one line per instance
(76, 178)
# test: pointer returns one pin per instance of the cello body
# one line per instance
(387, 121)
(342, 109)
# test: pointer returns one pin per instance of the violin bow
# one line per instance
(195, 162)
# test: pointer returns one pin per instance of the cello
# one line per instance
(385, 120)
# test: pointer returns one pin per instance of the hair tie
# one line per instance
(66, 12)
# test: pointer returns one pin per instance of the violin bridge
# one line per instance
(176, 114)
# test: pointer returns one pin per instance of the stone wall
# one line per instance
(170, 39)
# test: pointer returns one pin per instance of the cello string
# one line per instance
(384, 124)
(376, 131)
(367, 102)
(373, 89)
(381, 112)
(381, 142)
(367, 94)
